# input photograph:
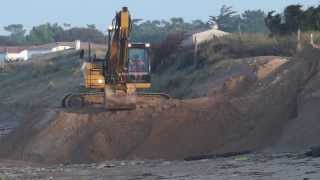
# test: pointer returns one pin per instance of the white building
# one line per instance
(60, 48)
(204, 36)
(17, 55)
(24, 54)
(78, 45)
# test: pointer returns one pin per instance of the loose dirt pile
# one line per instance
(249, 111)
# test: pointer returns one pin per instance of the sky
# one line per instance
(101, 12)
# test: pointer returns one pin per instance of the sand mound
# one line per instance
(303, 130)
(223, 122)
(174, 131)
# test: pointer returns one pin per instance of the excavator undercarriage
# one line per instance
(116, 103)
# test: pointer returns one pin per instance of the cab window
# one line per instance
(138, 60)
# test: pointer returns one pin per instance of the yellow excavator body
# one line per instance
(93, 76)
(122, 76)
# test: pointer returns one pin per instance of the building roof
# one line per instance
(204, 36)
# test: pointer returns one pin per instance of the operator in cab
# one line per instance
(137, 64)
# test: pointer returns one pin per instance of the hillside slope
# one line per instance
(27, 87)
(40, 82)
(249, 109)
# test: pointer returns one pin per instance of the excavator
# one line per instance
(120, 80)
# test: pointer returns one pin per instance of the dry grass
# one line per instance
(251, 45)
(40, 81)
(247, 45)
(178, 70)
(232, 46)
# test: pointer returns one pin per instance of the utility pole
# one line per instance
(1, 65)
(195, 43)
(299, 46)
(311, 39)
(240, 30)
(312, 42)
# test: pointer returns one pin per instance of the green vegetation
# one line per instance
(3, 178)
(48, 33)
(41, 81)
(251, 21)
(17, 32)
(293, 18)
(247, 45)
(177, 69)
(233, 46)
(83, 34)
(143, 30)
(156, 31)
(44, 33)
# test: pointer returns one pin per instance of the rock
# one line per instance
(104, 165)
(242, 158)
(166, 163)
(313, 152)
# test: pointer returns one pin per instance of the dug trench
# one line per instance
(248, 111)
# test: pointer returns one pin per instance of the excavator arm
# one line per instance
(117, 56)
(117, 93)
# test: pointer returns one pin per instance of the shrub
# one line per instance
(162, 51)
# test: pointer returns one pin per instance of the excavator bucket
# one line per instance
(115, 101)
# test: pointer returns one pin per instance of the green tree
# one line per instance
(66, 25)
(274, 23)
(83, 34)
(17, 32)
(199, 23)
(227, 20)
(91, 26)
(156, 31)
(6, 41)
(311, 19)
(148, 31)
(293, 16)
(253, 21)
(177, 22)
(44, 33)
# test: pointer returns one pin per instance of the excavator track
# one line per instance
(97, 100)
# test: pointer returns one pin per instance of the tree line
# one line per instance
(143, 30)
(48, 33)
(250, 21)
(294, 17)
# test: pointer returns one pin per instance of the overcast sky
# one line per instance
(100, 12)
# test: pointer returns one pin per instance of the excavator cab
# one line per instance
(138, 59)
(139, 68)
